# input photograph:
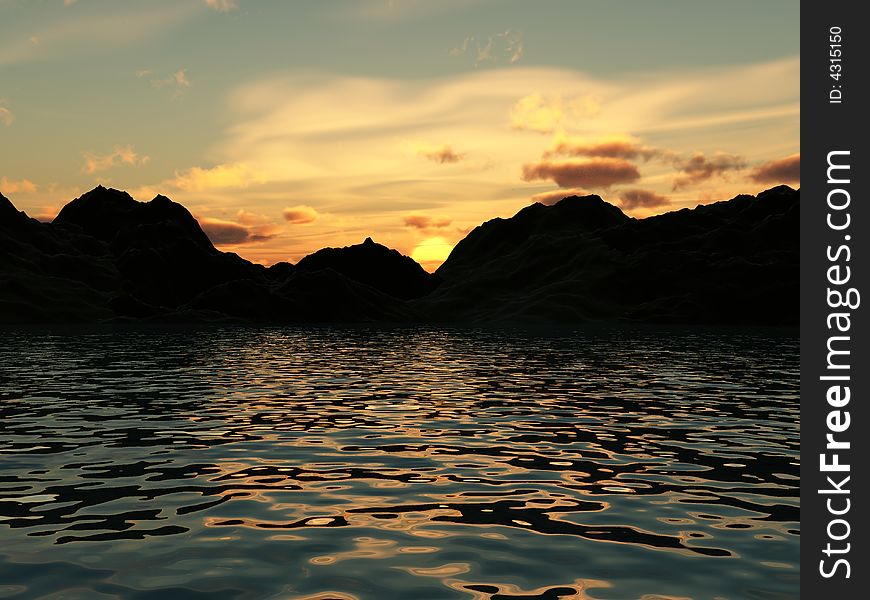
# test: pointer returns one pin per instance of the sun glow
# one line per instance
(431, 252)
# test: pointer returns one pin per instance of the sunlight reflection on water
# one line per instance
(399, 463)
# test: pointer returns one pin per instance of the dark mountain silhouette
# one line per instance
(375, 265)
(107, 256)
(728, 262)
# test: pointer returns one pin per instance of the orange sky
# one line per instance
(287, 129)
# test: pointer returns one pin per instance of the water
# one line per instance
(379, 463)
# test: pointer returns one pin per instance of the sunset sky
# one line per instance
(286, 127)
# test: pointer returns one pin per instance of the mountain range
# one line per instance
(108, 257)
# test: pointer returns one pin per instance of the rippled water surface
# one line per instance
(379, 463)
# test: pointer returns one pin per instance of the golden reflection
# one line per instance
(418, 549)
(364, 547)
(447, 570)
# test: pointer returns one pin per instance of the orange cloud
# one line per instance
(616, 146)
(121, 155)
(699, 168)
(444, 154)
(418, 221)
(6, 116)
(197, 179)
(222, 232)
(642, 199)
(25, 186)
(550, 198)
(298, 215)
(595, 172)
(784, 170)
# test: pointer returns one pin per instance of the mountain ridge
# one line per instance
(107, 256)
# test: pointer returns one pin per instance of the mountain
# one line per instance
(375, 265)
(107, 256)
(49, 274)
(162, 255)
(728, 262)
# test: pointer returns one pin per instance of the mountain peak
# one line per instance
(109, 214)
(375, 265)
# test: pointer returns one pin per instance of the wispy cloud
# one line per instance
(463, 47)
(222, 5)
(546, 114)
(121, 155)
(594, 172)
(295, 135)
(74, 33)
(23, 186)
(224, 176)
(178, 80)
(441, 154)
(425, 222)
(6, 116)
(299, 215)
(612, 146)
(783, 170)
(699, 168)
(504, 47)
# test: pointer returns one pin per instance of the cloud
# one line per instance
(247, 228)
(180, 79)
(463, 47)
(69, 2)
(222, 5)
(506, 46)
(224, 232)
(700, 168)
(24, 186)
(550, 198)
(198, 179)
(594, 172)
(420, 221)
(71, 33)
(784, 170)
(177, 80)
(545, 114)
(442, 154)
(299, 215)
(6, 116)
(121, 155)
(514, 46)
(613, 146)
(297, 131)
(630, 199)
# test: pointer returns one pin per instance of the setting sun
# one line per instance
(431, 252)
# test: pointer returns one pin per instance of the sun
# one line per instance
(431, 252)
